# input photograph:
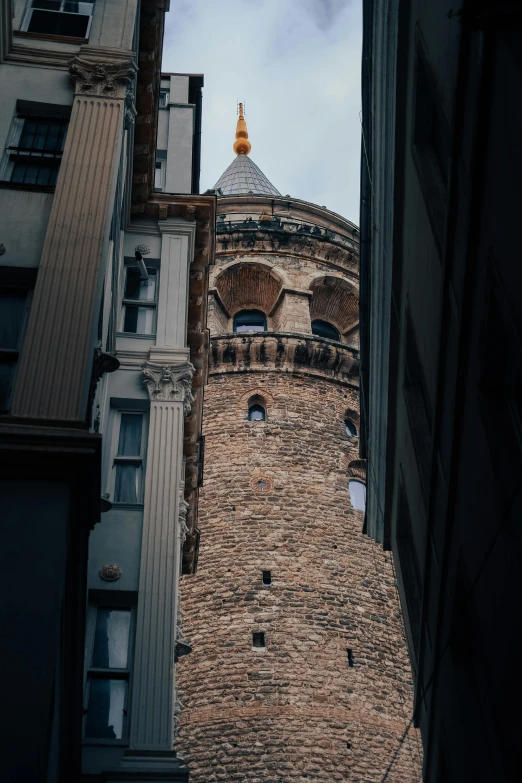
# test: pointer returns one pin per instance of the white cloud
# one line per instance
(296, 65)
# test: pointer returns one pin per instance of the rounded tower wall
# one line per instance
(307, 677)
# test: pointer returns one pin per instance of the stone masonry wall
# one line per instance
(296, 710)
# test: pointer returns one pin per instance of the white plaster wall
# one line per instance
(179, 88)
(163, 129)
(45, 85)
(23, 223)
(179, 158)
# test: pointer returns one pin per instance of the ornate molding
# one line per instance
(110, 573)
(169, 383)
(282, 351)
(102, 77)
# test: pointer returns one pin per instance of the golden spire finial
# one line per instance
(242, 145)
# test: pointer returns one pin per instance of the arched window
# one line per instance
(250, 321)
(357, 494)
(350, 427)
(324, 329)
(256, 413)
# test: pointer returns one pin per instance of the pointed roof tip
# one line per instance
(241, 145)
(243, 177)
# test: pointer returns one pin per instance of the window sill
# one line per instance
(132, 335)
(107, 742)
(7, 185)
(138, 506)
(71, 39)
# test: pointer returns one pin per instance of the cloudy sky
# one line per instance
(296, 66)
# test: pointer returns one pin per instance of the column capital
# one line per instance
(169, 383)
(101, 76)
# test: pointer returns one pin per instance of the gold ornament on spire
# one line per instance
(242, 145)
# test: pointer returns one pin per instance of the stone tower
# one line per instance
(299, 669)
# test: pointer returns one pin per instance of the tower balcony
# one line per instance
(305, 354)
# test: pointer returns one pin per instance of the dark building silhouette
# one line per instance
(441, 361)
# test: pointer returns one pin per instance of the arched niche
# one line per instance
(335, 301)
(248, 286)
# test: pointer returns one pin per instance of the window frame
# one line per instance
(161, 166)
(347, 421)
(151, 265)
(118, 600)
(31, 111)
(116, 459)
(12, 278)
(28, 14)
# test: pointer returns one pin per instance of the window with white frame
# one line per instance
(129, 457)
(159, 175)
(139, 301)
(110, 633)
(14, 309)
(58, 17)
(35, 144)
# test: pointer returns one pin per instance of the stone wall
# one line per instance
(296, 710)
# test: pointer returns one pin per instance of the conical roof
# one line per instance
(243, 177)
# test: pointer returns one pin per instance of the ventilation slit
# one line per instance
(350, 657)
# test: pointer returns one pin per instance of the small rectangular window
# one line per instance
(267, 577)
(159, 175)
(128, 460)
(59, 17)
(139, 301)
(258, 640)
(35, 145)
(349, 653)
(164, 98)
(108, 672)
(14, 309)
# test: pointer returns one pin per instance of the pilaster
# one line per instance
(153, 693)
(56, 362)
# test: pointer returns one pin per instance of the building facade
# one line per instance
(441, 358)
(299, 669)
(103, 354)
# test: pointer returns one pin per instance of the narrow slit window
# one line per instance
(128, 461)
(349, 653)
(357, 494)
(140, 301)
(256, 413)
(351, 429)
(267, 577)
(258, 640)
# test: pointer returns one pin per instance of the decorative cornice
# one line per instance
(106, 78)
(169, 383)
(270, 351)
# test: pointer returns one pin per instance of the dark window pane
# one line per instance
(7, 367)
(105, 710)
(52, 23)
(12, 311)
(126, 488)
(138, 320)
(136, 288)
(250, 321)
(256, 413)
(111, 639)
(324, 329)
(129, 444)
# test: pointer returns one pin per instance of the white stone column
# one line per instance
(153, 689)
(55, 368)
(177, 253)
